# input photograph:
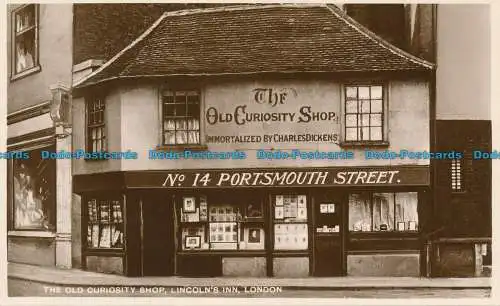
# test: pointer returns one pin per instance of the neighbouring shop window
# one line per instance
(364, 113)
(181, 117)
(221, 225)
(290, 222)
(34, 190)
(456, 173)
(378, 212)
(96, 133)
(25, 26)
(104, 223)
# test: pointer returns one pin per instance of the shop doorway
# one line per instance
(328, 235)
(158, 249)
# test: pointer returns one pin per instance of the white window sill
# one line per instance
(41, 234)
(24, 73)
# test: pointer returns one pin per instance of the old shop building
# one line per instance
(271, 77)
(39, 67)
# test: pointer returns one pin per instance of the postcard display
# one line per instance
(105, 226)
(221, 226)
(290, 222)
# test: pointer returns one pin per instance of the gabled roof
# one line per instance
(282, 38)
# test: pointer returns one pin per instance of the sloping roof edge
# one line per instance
(380, 41)
(119, 54)
(332, 8)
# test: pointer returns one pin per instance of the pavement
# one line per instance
(31, 280)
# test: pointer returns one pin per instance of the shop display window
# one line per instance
(105, 224)
(378, 212)
(34, 192)
(290, 222)
(211, 224)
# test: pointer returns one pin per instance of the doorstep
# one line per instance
(75, 277)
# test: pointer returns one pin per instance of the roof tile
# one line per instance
(265, 38)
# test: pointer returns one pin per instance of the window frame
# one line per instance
(275, 221)
(88, 132)
(385, 109)
(161, 111)
(372, 223)
(243, 223)
(52, 204)
(99, 198)
(14, 75)
(457, 176)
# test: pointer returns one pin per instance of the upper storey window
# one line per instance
(364, 114)
(25, 24)
(181, 117)
(96, 124)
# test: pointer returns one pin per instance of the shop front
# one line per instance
(273, 223)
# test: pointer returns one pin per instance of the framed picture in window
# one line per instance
(254, 235)
(279, 200)
(193, 242)
(189, 204)
(278, 212)
(323, 208)
(401, 226)
(254, 210)
(412, 226)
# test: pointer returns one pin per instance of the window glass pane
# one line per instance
(25, 51)
(223, 228)
(364, 92)
(351, 134)
(383, 211)
(365, 106)
(194, 110)
(193, 124)
(180, 124)
(193, 97)
(180, 97)
(351, 93)
(376, 92)
(376, 133)
(376, 120)
(169, 124)
(364, 120)
(181, 137)
(360, 213)
(25, 18)
(364, 133)
(34, 192)
(103, 144)
(406, 211)
(169, 137)
(180, 110)
(193, 137)
(101, 116)
(169, 109)
(351, 106)
(105, 223)
(290, 217)
(351, 120)
(168, 97)
(376, 106)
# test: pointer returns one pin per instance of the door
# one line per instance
(328, 231)
(157, 236)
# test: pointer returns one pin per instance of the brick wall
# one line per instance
(467, 213)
